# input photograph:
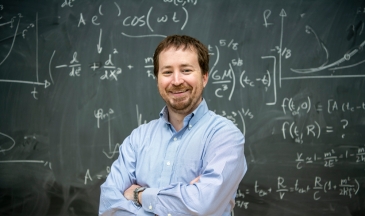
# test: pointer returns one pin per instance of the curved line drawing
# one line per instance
(12, 146)
(243, 123)
(347, 66)
(11, 48)
(49, 66)
(216, 61)
(358, 186)
(148, 19)
(233, 82)
(141, 36)
(186, 20)
(309, 30)
(115, 151)
(319, 129)
(242, 84)
(100, 11)
(118, 8)
(346, 57)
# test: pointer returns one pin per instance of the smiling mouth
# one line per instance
(179, 92)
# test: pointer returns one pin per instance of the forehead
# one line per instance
(178, 54)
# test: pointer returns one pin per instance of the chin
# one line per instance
(180, 106)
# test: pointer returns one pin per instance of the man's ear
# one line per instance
(205, 79)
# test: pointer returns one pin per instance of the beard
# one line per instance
(184, 104)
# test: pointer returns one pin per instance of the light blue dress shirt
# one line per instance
(165, 161)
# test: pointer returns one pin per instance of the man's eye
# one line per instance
(186, 70)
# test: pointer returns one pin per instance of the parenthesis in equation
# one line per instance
(233, 82)
(243, 123)
(291, 129)
(119, 11)
(324, 188)
(319, 129)
(291, 104)
(216, 61)
(358, 186)
(309, 104)
(186, 19)
(148, 19)
(100, 10)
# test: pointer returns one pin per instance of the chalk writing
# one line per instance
(100, 115)
(331, 157)
(74, 65)
(347, 186)
(181, 2)
(240, 115)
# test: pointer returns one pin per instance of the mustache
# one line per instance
(179, 88)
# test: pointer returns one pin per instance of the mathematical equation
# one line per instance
(348, 187)
(330, 158)
(234, 74)
(305, 105)
(89, 178)
(297, 133)
(179, 17)
(111, 72)
(238, 116)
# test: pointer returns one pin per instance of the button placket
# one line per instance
(167, 170)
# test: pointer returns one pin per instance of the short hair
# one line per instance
(184, 42)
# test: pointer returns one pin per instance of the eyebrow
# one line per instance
(182, 65)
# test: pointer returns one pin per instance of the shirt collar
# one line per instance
(192, 118)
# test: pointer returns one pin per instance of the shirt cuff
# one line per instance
(149, 199)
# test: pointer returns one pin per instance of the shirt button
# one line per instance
(169, 215)
(190, 126)
(168, 163)
(175, 139)
(150, 207)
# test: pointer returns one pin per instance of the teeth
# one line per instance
(178, 92)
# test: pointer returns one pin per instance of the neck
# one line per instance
(176, 119)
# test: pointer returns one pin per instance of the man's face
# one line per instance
(180, 80)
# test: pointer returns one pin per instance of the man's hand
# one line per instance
(129, 193)
(195, 180)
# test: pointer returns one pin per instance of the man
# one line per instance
(190, 161)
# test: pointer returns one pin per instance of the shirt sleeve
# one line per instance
(121, 177)
(224, 166)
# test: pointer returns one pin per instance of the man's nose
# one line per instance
(177, 78)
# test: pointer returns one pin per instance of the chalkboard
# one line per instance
(76, 79)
